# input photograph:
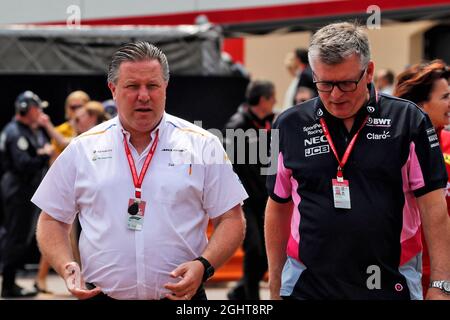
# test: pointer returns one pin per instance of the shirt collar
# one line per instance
(160, 126)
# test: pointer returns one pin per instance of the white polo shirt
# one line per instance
(189, 181)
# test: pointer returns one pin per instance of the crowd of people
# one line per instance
(358, 207)
(29, 144)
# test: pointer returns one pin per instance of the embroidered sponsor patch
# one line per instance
(432, 138)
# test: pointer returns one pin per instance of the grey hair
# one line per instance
(336, 42)
(137, 51)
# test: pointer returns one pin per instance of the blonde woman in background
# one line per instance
(90, 115)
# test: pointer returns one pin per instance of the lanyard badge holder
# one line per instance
(341, 191)
(136, 211)
(341, 186)
(136, 206)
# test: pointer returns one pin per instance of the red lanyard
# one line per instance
(349, 147)
(138, 182)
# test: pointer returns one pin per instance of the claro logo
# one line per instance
(377, 136)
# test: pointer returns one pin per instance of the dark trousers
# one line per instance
(19, 223)
(255, 258)
(199, 295)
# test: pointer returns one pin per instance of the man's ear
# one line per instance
(112, 87)
(370, 71)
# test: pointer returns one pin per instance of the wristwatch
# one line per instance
(209, 269)
(444, 285)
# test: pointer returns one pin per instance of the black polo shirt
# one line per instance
(395, 159)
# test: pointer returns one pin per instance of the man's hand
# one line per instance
(75, 284)
(47, 149)
(436, 294)
(44, 120)
(191, 274)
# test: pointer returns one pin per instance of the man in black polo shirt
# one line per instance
(250, 128)
(354, 170)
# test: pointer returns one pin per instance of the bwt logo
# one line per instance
(378, 122)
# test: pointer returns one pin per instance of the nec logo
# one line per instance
(317, 150)
(378, 122)
(315, 140)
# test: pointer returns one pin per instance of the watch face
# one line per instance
(446, 286)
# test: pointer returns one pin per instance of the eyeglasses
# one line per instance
(344, 86)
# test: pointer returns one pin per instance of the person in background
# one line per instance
(25, 151)
(384, 81)
(427, 86)
(74, 101)
(303, 94)
(145, 185)
(110, 108)
(255, 115)
(90, 115)
(60, 138)
(297, 65)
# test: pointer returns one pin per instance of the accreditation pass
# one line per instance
(341, 194)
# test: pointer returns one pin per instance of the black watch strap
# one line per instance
(209, 269)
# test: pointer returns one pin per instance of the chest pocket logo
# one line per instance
(101, 154)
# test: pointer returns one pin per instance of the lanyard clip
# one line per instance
(137, 192)
(340, 175)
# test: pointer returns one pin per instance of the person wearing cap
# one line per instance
(110, 107)
(25, 151)
(145, 185)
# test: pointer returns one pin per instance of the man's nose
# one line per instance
(336, 92)
(143, 93)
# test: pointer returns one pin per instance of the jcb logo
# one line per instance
(317, 150)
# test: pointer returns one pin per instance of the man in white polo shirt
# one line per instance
(145, 185)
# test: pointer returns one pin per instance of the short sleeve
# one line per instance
(222, 188)
(56, 193)
(426, 170)
(278, 183)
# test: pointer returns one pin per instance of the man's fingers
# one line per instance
(185, 296)
(83, 294)
(177, 286)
